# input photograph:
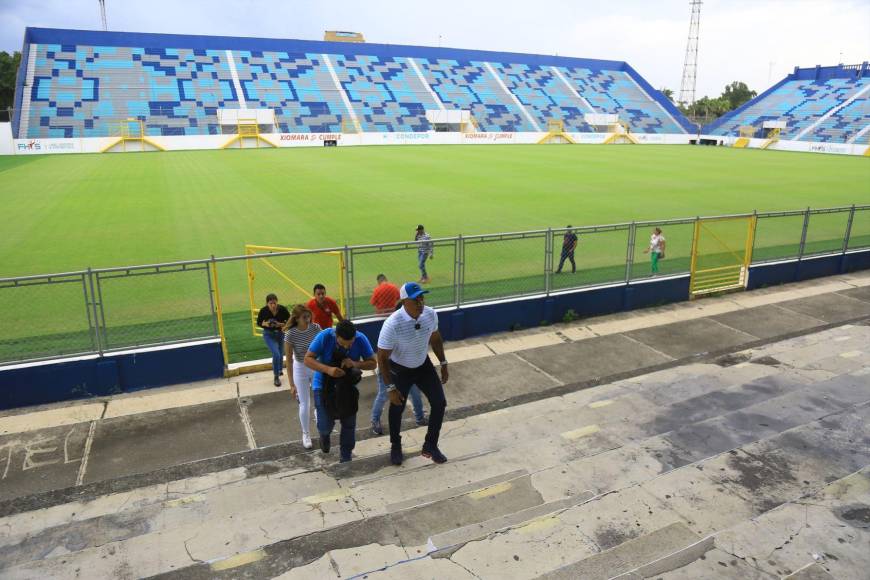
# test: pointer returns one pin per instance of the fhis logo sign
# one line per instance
(33, 145)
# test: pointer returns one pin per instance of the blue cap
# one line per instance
(411, 290)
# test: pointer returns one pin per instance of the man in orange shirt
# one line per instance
(385, 297)
(323, 307)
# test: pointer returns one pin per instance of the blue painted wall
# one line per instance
(109, 375)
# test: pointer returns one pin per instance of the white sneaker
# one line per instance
(306, 441)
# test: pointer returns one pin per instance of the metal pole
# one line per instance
(548, 261)
(849, 229)
(804, 234)
(754, 234)
(220, 313)
(96, 316)
(629, 251)
(349, 284)
(460, 265)
(456, 271)
(214, 324)
(102, 313)
(92, 329)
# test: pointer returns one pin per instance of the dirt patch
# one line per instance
(856, 515)
(766, 360)
(729, 360)
(610, 536)
(760, 471)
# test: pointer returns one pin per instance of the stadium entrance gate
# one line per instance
(291, 276)
(721, 253)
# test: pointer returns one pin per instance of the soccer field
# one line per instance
(63, 213)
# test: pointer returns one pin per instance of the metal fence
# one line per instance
(104, 310)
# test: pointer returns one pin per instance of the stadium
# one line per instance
(157, 187)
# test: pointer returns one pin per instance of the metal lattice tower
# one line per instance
(103, 14)
(690, 64)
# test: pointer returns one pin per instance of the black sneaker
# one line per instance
(434, 454)
(344, 460)
(277, 381)
(324, 443)
(377, 428)
(423, 421)
(396, 456)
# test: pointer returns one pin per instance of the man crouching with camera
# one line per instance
(338, 356)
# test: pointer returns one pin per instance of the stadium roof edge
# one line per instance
(36, 35)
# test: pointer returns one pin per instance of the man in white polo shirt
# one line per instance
(403, 361)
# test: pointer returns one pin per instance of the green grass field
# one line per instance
(63, 213)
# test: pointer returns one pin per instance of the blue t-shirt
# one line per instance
(325, 343)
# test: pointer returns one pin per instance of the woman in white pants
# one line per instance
(300, 332)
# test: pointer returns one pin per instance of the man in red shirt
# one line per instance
(385, 297)
(323, 308)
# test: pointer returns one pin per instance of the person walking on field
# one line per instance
(338, 355)
(656, 249)
(298, 337)
(385, 296)
(323, 307)
(271, 319)
(403, 360)
(425, 251)
(569, 244)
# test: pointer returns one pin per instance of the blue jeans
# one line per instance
(421, 263)
(381, 400)
(325, 424)
(275, 342)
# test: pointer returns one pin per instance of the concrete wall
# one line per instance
(94, 376)
(7, 147)
(800, 146)
(193, 142)
(189, 142)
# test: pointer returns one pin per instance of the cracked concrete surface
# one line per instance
(770, 442)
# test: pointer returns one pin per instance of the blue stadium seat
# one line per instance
(830, 104)
(85, 84)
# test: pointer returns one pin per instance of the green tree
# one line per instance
(668, 93)
(736, 94)
(8, 69)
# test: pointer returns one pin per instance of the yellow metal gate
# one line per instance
(721, 254)
(292, 277)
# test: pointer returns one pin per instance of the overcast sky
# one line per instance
(756, 41)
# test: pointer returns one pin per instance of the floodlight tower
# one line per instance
(690, 64)
(103, 13)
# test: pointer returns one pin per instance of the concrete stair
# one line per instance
(654, 476)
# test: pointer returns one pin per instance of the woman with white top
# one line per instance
(300, 332)
(656, 249)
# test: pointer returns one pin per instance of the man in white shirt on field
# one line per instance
(403, 361)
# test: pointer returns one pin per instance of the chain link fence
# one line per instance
(105, 310)
(599, 255)
(400, 263)
(154, 304)
(859, 231)
(778, 236)
(46, 316)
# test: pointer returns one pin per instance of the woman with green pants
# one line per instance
(656, 249)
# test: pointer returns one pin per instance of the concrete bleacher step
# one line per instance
(663, 550)
(507, 484)
(812, 571)
(499, 421)
(822, 535)
(326, 496)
